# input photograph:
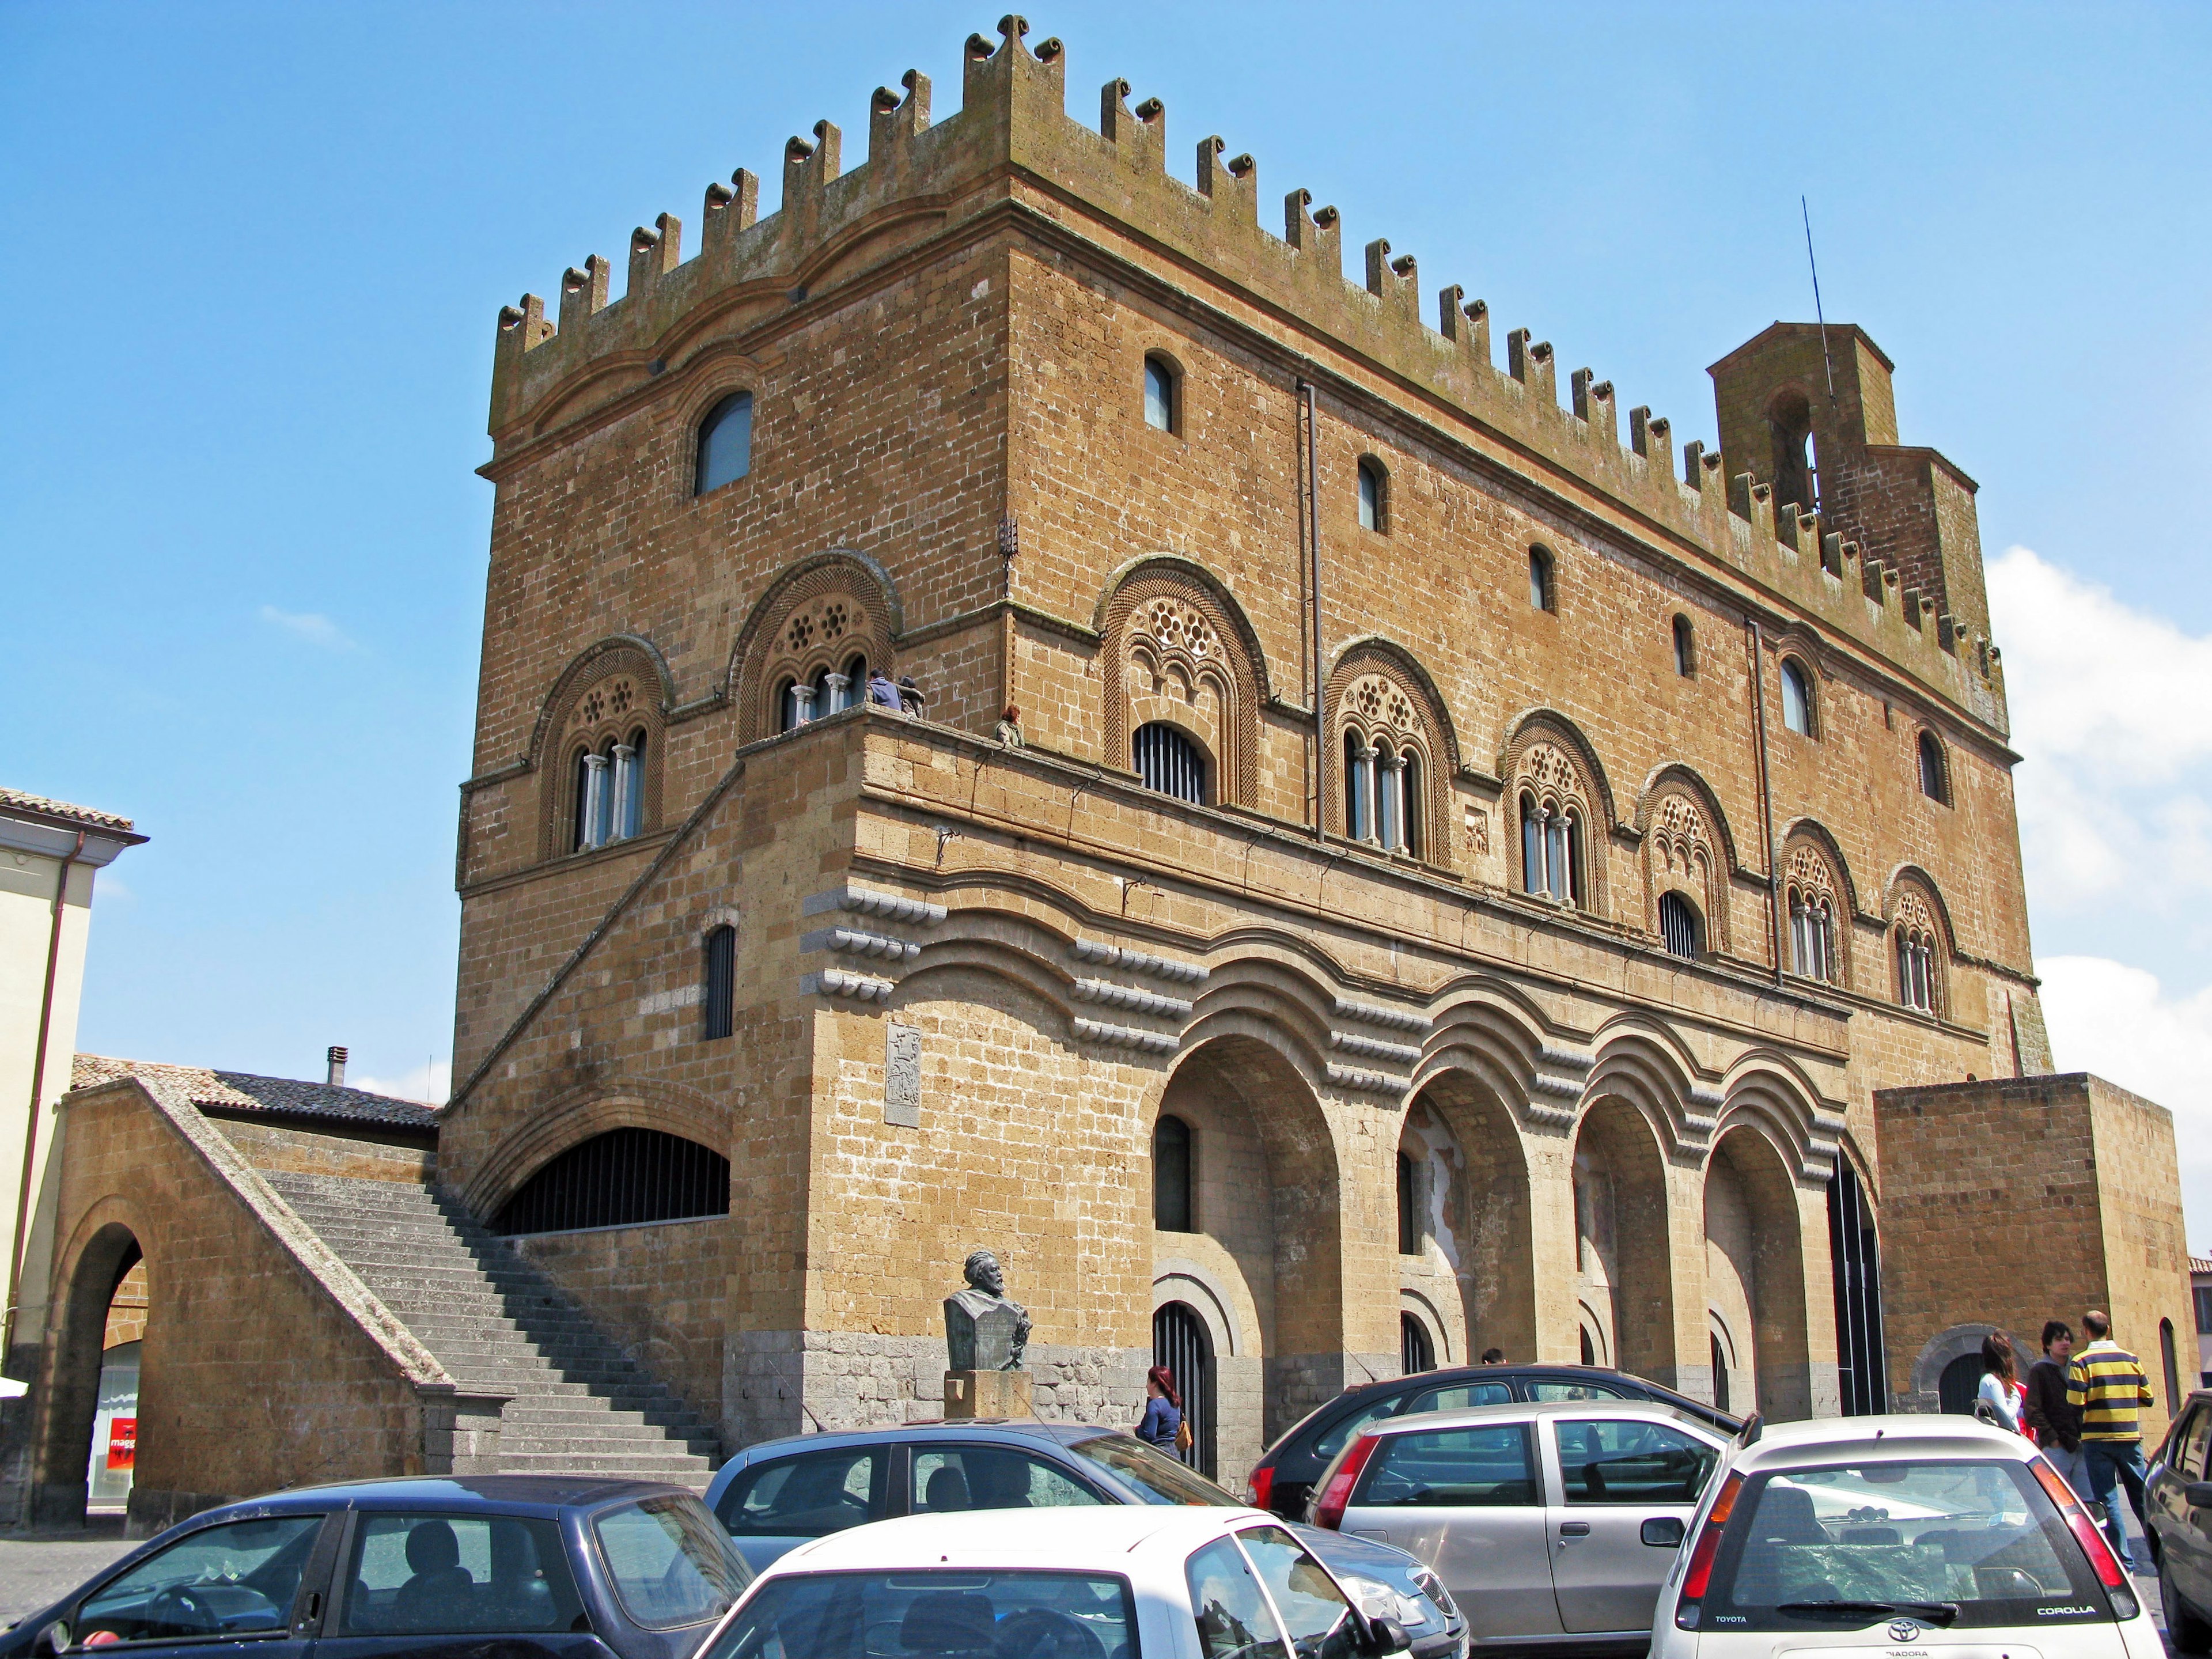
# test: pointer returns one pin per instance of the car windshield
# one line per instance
(1158, 1477)
(670, 1563)
(934, 1612)
(1846, 1545)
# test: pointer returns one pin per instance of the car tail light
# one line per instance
(2110, 1573)
(1701, 1557)
(1337, 1495)
(1260, 1486)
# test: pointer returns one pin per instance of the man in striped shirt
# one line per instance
(2106, 1383)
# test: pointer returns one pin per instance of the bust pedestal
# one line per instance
(972, 1394)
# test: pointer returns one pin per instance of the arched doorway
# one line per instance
(97, 1319)
(1855, 1258)
(1181, 1343)
(1416, 1351)
(1960, 1385)
(1477, 1229)
(1623, 1250)
(1755, 1273)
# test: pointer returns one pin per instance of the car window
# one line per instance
(1486, 1467)
(1335, 1438)
(425, 1575)
(221, 1581)
(1313, 1610)
(672, 1565)
(934, 1613)
(946, 1479)
(1234, 1620)
(810, 1496)
(1459, 1396)
(1621, 1461)
(2188, 1457)
(1158, 1477)
(1577, 1389)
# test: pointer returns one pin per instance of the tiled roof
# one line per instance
(23, 801)
(2198, 1264)
(241, 1092)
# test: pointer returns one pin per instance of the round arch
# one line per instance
(574, 1118)
(108, 1242)
(1624, 1235)
(1755, 1267)
(1481, 1211)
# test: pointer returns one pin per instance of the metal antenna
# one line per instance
(1823, 317)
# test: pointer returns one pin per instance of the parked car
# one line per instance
(2177, 1508)
(1933, 1534)
(779, 1494)
(532, 1566)
(1108, 1581)
(1283, 1480)
(1549, 1522)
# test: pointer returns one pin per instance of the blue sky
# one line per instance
(257, 253)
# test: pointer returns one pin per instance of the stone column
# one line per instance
(840, 693)
(1393, 801)
(595, 800)
(1361, 819)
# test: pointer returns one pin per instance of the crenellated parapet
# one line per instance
(1893, 566)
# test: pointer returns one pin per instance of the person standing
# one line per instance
(1162, 1424)
(2108, 1383)
(1008, 730)
(2001, 1390)
(2056, 1421)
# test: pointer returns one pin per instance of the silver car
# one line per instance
(1548, 1523)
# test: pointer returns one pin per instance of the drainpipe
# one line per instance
(38, 1088)
(1766, 800)
(1312, 505)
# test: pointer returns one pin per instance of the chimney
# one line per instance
(336, 1078)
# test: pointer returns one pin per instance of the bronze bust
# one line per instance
(983, 1330)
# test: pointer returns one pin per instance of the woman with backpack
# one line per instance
(1163, 1425)
(2001, 1390)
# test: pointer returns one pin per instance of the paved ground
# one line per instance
(37, 1568)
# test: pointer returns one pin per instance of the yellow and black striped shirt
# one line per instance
(2107, 1382)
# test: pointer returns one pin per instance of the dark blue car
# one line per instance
(521, 1566)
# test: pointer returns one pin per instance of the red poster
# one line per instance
(122, 1442)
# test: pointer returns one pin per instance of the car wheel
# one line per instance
(2187, 1632)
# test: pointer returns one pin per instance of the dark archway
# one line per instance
(1181, 1343)
(76, 1346)
(1960, 1385)
(1855, 1258)
(625, 1177)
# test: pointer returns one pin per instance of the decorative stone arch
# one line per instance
(1685, 852)
(1814, 878)
(1433, 1319)
(1199, 1288)
(1547, 761)
(818, 615)
(1378, 693)
(614, 691)
(1643, 1062)
(1954, 1343)
(101, 1247)
(1793, 643)
(1913, 911)
(1754, 1249)
(574, 1118)
(1179, 649)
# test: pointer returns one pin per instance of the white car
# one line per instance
(1899, 1535)
(1107, 1583)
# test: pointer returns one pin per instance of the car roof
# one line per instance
(1020, 1428)
(1898, 1436)
(513, 1492)
(1649, 1411)
(1075, 1538)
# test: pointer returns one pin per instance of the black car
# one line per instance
(1283, 1480)
(530, 1566)
(2178, 1514)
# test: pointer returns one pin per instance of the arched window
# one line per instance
(1685, 648)
(1409, 803)
(601, 785)
(1168, 761)
(1935, 779)
(1160, 412)
(1374, 495)
(624, 1178)
(1358, 788)
(1171, 1207)
(1590, 1348)
(1551, 852)
(610, 784)
(726, 443)
(629, 787)
(1409, 1211)
(1543, 587)
(1812, 937)
(1915, 970)
(1680, 926)
(1796, 697)
(1720, 1372)
(1416, 1352)
(721, 966)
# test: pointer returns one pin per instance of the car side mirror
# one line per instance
(55, 1638)
(1387, 1636)
(1662, 1532)
(2198, 1493)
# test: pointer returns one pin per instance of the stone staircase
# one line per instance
(497, 1323)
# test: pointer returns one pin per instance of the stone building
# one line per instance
(1469, 876)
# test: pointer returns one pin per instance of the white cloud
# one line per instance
(2112, 712)
(429, 1082)
(309, 625)
(2118, 1022)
